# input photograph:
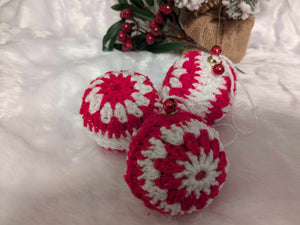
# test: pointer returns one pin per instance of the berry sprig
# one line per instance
(151, 26)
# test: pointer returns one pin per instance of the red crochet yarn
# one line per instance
(115, 106)
(207, 95)
(176, 163)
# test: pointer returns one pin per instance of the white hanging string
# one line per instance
(254, 113)
(235, 126)
(234, 131)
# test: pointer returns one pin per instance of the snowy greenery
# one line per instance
(240, 9)
(236, 9)
(190, 4)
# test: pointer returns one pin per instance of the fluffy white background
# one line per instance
(52, 173)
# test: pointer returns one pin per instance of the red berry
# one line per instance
(151, 24)
(126, 14)
(218, 69)
(155, 30)
(216, 50)
(158, 18)
(122, 36)
(150, 39)
(127, 45)
(170, 105)
(126, 27)
(166, 9)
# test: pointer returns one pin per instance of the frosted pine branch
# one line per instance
(236, 9)
(240, 9)
(190, 4)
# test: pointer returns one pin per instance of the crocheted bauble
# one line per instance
(176, 163)
(208, 95)
(115, 105)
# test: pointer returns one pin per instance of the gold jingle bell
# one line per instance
(212, 61)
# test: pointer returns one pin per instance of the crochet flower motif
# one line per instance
(110, 87)
(207, 95)
(179, 170)
(115, 105)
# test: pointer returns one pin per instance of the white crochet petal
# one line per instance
(106, 113)
(143, 88)
(96, 82)
(140, 99)
(175, 83)
(120, 113)
(94, 99)
(105, 141)
(132, 108)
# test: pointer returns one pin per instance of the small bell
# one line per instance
(170, 106)
(216, 50)
(212, 61)
(218, 69)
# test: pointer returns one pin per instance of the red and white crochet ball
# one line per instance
(208, 95)
(176, 163)
(115, 105)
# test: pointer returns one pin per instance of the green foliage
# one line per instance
(159, 2)
(150, 2)
(240, 9)
(140, 13)
(138, 3)
(165, 46)
(111, 36)
(142, 10)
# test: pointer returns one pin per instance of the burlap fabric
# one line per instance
(207, 30)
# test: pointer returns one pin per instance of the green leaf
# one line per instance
(138, 3)
(122, 1)
(165, 47)
(111, 34)
(139, 41)
(159, 2)
(160, 42)
(175, 23)
(112, 42)
(121, 6)
(118, 47)
(150, 2)
(143, 14)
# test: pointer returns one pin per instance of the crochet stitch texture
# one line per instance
(176, 163)
(115, 105)
(207, 95)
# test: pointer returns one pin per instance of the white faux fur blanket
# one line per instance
(52, 173)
